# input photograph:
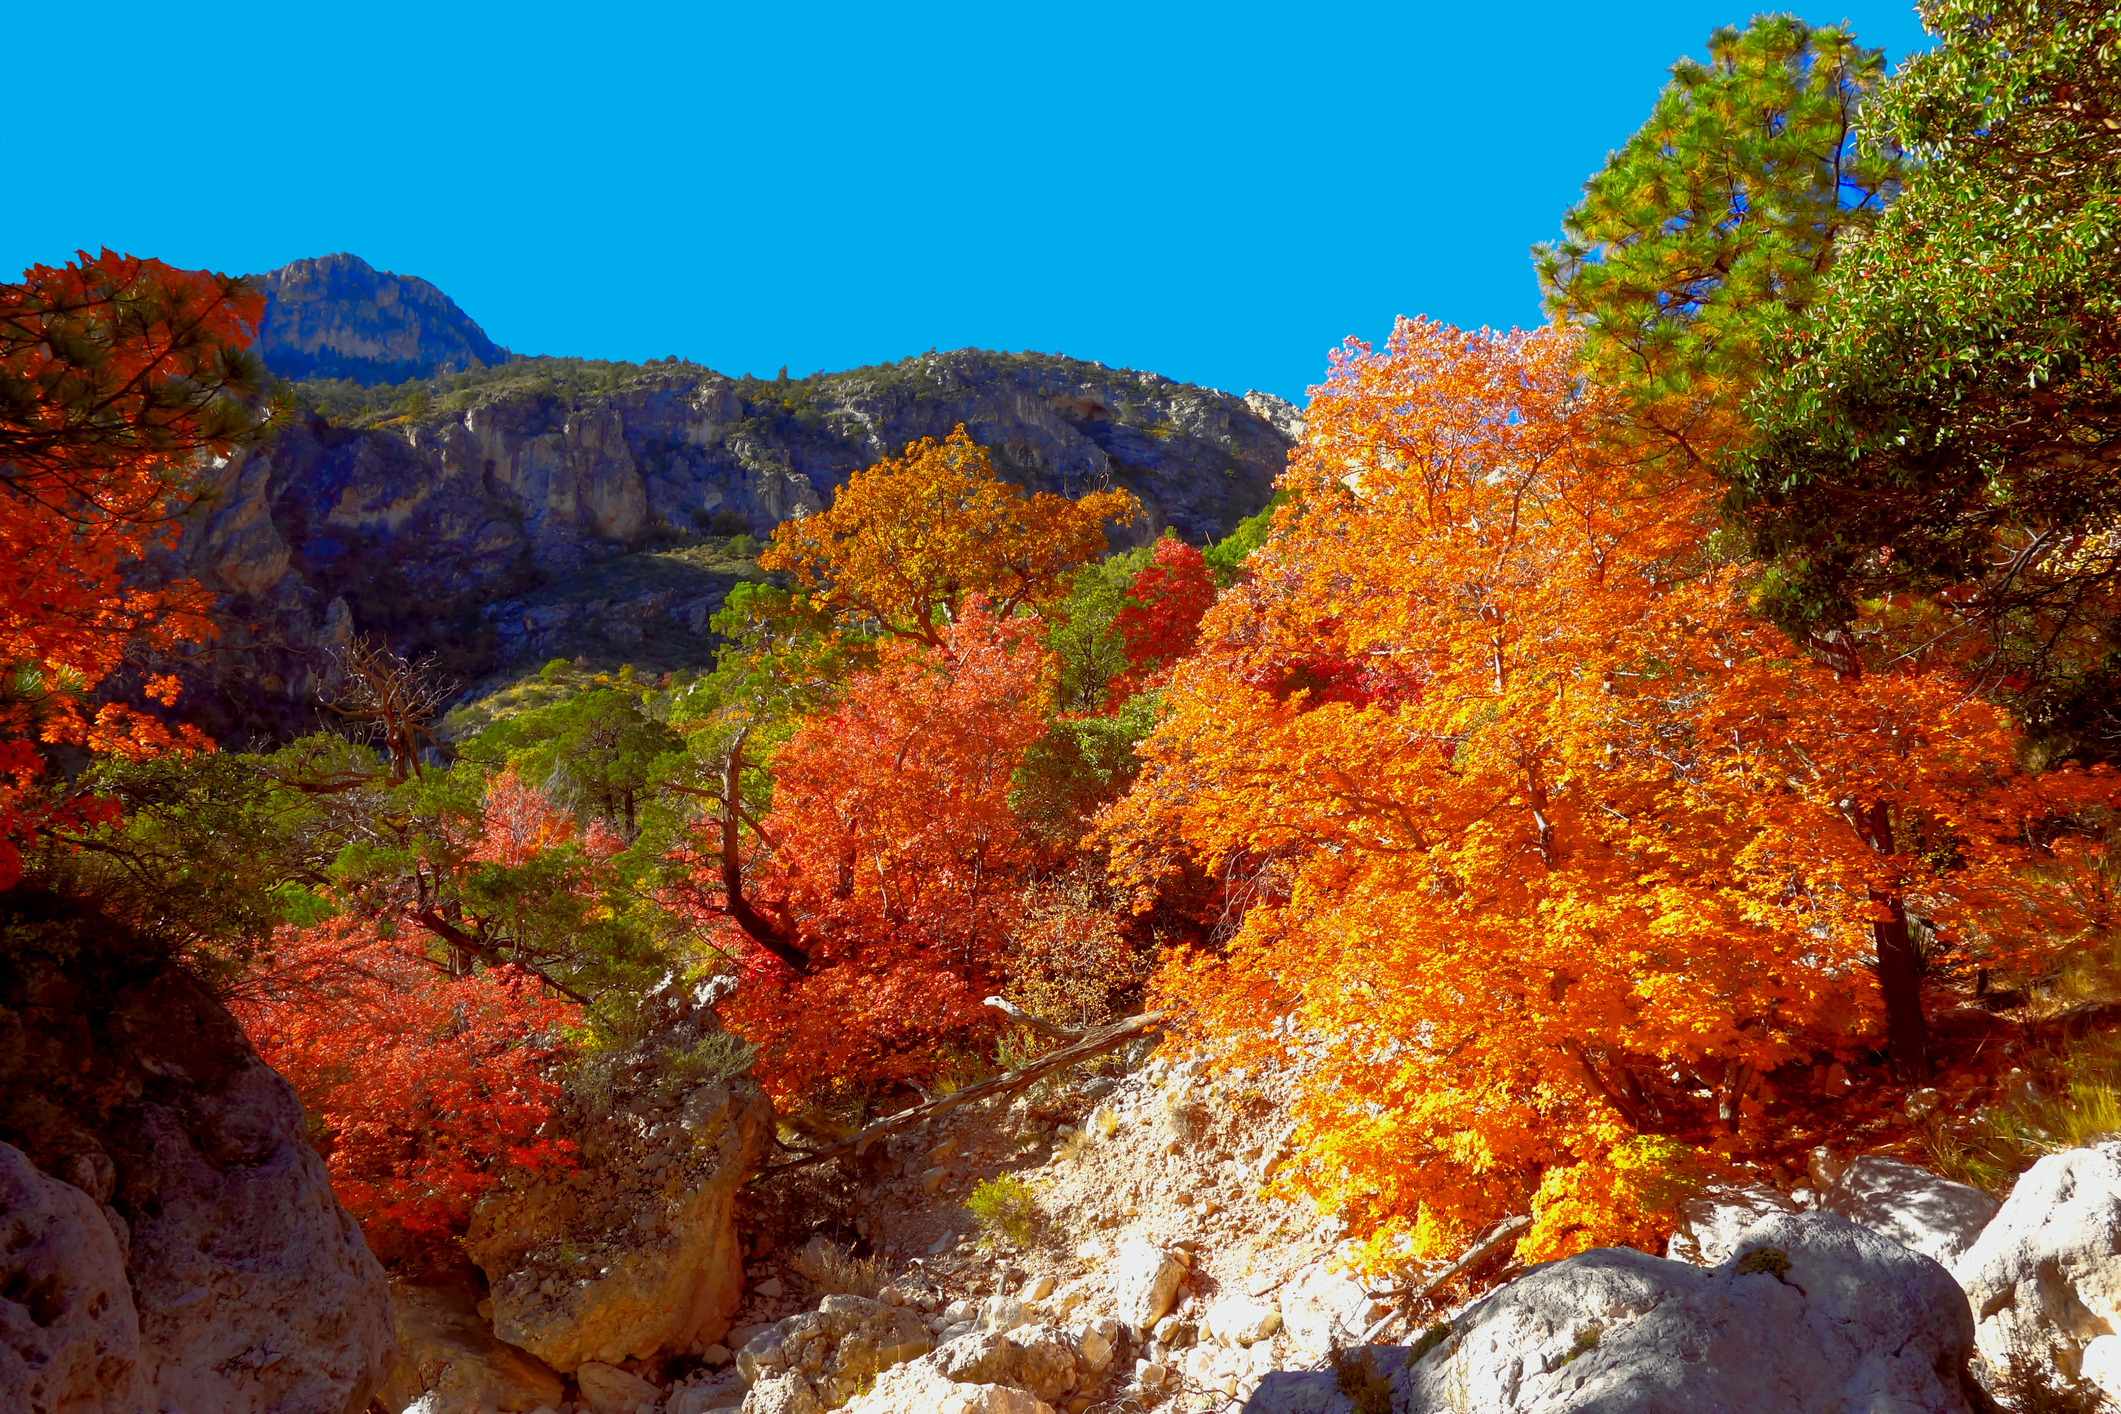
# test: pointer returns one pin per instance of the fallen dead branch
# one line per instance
(1091, 1045)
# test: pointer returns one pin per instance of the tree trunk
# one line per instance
(1899, 970)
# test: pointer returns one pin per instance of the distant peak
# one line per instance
(337, 316)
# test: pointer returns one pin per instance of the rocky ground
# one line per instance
(1142, 1267)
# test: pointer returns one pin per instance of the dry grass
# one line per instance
(2084, 1108)
(834, 1271)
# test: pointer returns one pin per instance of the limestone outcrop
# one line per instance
(1711, 1222)
(69, 1333)
(2044, 1277)
(172, 1235)
(634, 1253)
(1810, 1314)
(1916, 1208)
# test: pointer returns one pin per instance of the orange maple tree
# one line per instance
(892, 860)
(117, 377)
(908, 540)
(1560, 911)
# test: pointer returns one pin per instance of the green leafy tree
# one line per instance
(1728, 206)
(599, 753)
(1946, 419)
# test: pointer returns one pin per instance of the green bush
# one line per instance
(1005, 1209)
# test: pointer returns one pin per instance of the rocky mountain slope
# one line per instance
(556, 508)
(337, 316)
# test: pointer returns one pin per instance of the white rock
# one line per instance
(1712, 1221)
(704, 1399)
(69, 1336)
(782, 1394)
(612, 1391)
(1040, 1359)
(2101, 1362)
(716, 1355)
(920, 1388)
(1040, 1288)
(2046, 1271)
(1240, 1320)
(1094, 1343)
(1145, 1282)
(1811, 1315)
(1917, 1209)
(848, 1338)
(640, 1297)
(1319, 1303)
(245, 1286)
(771, 1286)
(1003, 1313)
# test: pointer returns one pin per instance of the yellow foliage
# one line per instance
(1547, 843)
(908, 539)
(1630, 1194)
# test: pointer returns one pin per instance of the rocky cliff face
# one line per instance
(337, 316)
(517, 514)
(168, 1239)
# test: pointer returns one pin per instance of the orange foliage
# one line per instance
(116, 376)
(1595, 864)
(907, 540)
(895, 859)
(426, 1088)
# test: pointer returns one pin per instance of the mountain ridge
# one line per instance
(501, 513)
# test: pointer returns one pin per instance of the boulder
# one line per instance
(1040, 1359)
(1240, 1320)
(1003, 1313)
(1094, 1344)
(635, 1253)
(1145, 1282)
(1917, 1209)
(836, 1348)
(447, 1349)
(608, 1390)
(2045, 1274)
(1325, 1301)
(782, 1394)
(2101, 1363)
(1811, 1314)
(920, 1388)
(248, 1287)
(1712, 1221)
(704, 1398)
(69, 1336)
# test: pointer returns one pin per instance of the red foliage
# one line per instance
(425, 1088)
(896, 860)
(116, 375)
(518, 823)
(1161, 620)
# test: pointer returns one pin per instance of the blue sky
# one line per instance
(1215, 192)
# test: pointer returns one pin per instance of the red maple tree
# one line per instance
(894, 863)
(118, 376)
